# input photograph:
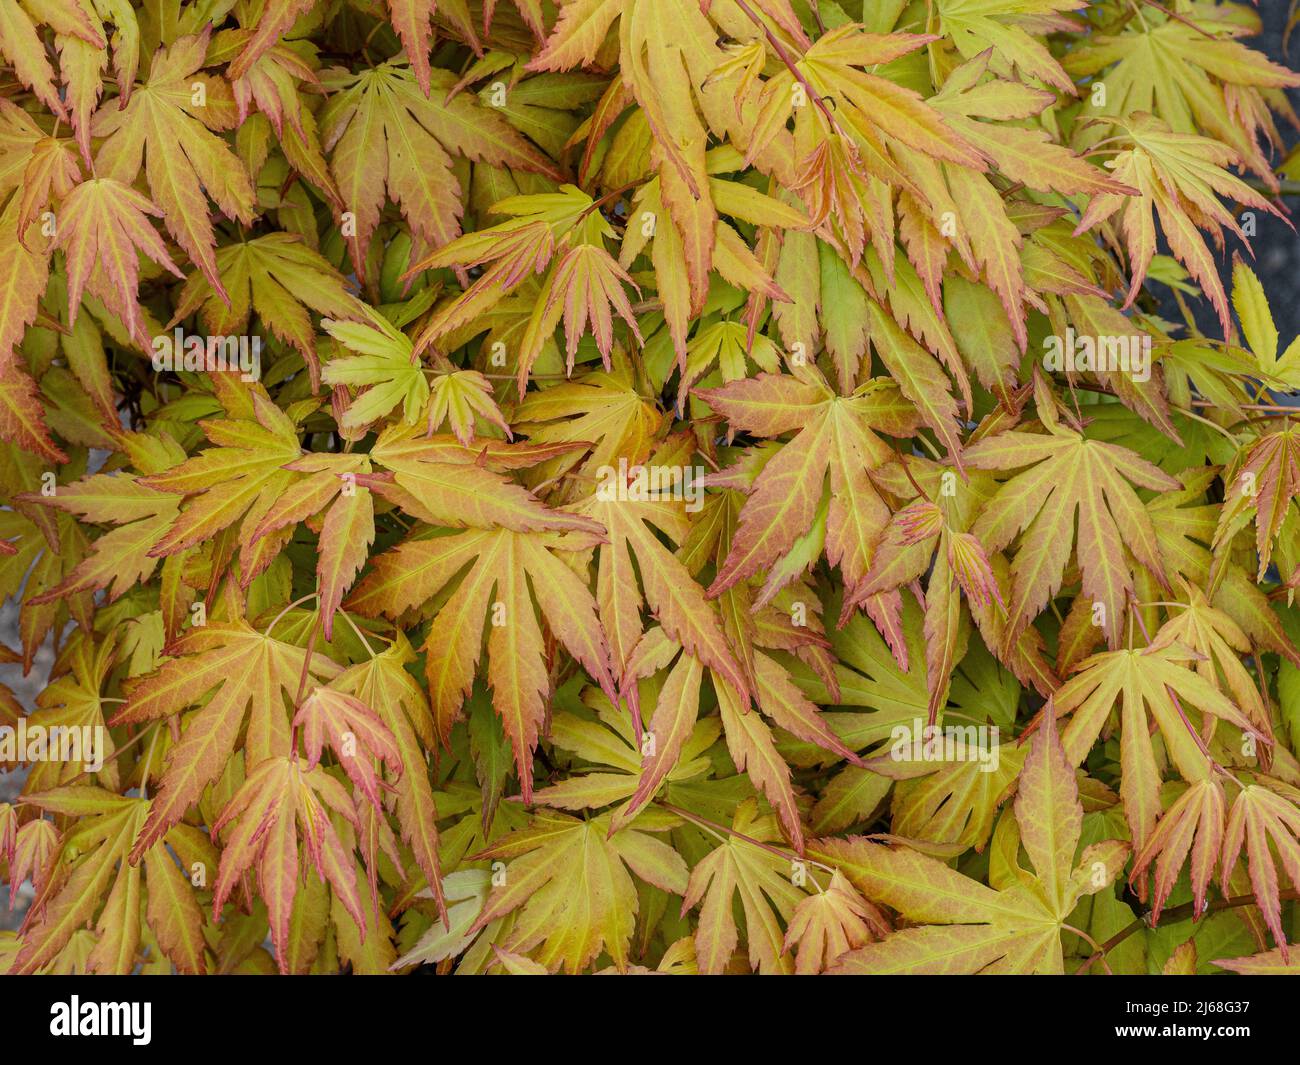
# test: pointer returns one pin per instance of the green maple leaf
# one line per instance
(572, 880)
(964, 926)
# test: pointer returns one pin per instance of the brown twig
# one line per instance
(715, 826)
(783, 53)
(1172, 916)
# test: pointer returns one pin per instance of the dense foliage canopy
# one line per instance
(680, 485)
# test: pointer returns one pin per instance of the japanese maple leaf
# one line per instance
(851, 140)
(23, 277)
(724, 344)
(384, 365)
(826, 301)
(82, 42)
(561, 236)
(665, 53)
(10, 709)
(741, 866)
(347, 524)
(586, 285)
(29, 853)
(1152, 683)
(462, 399)
(268, 84)
(964, 926)
(1181, 176)
(613, 748)
(750, 739)
(8, 835)
(94, 867)
(939, 802)
(238, 480)
(1269, 963)
(571, 879)
(74, 701)
(1184, 522)
(509, 252)
(276, 20)
(1268, 810)
(120, 559)
(385, 134)
(1093, 316)
(677, 602)
(280, 279)
(441, 481)
(278, 85)
(668, 52)
(909, 546)
(920, 534)
(1221, 645)
(1193, 824)
(1182, 962)
(951, 802)
(1001, 26)
(383, 682)
(1259, 330)
(21, 44)
(882, 135)
(35, 166)
(831, 923)
(875, 110)
(167, 133)
(1068, 473)
(411, 19)
(1262, 485)
(41, 559)
(1189, 72)
(102, 229)
(1027, 155)
(280, 803)
(602, 416)
(494, 592)
(468, 890)
(852, 792)
(248, 674)
(834, 448)
(751, 637)
(986, 238)
(355, 733)
(732, 257)
(871, 670)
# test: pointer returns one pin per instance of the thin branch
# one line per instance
(276, 620)
(1181, 18)
(1173, 916)
(1100, 955)
(360, 635)
(715, 826)
(792, 64)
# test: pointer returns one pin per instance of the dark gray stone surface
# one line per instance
(1277, 247)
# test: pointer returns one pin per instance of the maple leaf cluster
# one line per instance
(531, 487)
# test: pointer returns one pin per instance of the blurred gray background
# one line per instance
(1277, 247)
